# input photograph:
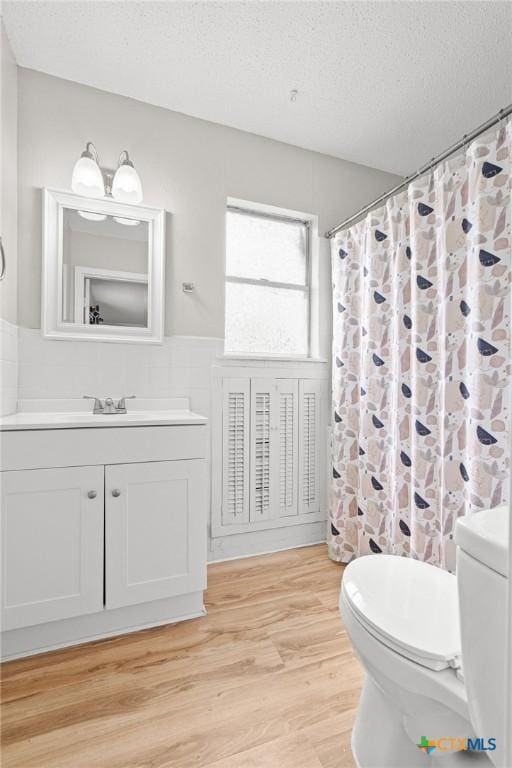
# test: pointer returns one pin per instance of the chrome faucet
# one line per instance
(108, 406)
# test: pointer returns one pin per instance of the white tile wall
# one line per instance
(34, 367)
(8, 367)
(181, 367)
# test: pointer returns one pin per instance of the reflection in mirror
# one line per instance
(104, 270)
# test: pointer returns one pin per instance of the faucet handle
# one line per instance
(121, 405)
(98, 405)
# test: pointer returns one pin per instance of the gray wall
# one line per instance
(189, 167)
(8, 173)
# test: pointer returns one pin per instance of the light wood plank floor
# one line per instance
(266, 680)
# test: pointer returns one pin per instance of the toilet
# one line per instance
(433, 648)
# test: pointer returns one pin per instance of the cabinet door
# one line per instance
(274, 448)
(311, 394)
(155, 528)
(52, 544)
(263, 450)
(235, 450)
(287, 431)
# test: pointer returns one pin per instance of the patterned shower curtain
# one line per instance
(422, 359)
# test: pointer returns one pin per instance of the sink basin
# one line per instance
(67, 414)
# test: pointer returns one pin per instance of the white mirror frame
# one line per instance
(52, 324)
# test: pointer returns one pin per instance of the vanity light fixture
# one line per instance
(87, 178)
(90, 180)
(126, 186)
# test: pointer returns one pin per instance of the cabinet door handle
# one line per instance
(92, 494)
(116, 492)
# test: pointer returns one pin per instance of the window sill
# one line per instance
(272, 358)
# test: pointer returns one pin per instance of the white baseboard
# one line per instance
(241, 545)
(268, 552)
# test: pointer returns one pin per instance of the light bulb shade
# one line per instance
(92, 216)
(127, 187)
(127, 222)
(87, 179)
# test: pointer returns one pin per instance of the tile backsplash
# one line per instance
(181, 366)
(8, 367)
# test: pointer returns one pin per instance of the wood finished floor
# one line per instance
(266, 680)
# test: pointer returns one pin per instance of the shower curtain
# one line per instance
(422, 360)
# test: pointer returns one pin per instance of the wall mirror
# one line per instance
(103, 269)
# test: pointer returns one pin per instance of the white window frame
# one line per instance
(310, 221)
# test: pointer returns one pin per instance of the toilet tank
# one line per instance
(482, 578)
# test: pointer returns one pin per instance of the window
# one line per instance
(267, 284)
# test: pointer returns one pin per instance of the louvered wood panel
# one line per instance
(271, 451)
(263, 455)
(235, 458)
(288, 446)
(309, 442)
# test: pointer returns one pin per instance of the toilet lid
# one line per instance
(410, 606)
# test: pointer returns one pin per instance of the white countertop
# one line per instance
(68, 414)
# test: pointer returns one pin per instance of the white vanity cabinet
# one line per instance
(96, 540)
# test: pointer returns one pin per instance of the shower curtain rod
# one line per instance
(434, 161)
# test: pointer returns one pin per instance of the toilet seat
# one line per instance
(409, 606)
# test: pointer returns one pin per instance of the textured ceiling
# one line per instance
(387, 84)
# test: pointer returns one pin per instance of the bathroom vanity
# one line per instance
(103, 521)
